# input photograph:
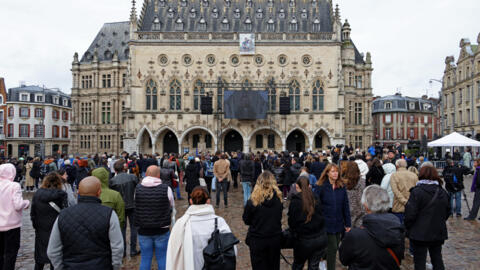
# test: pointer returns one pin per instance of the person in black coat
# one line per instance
(279, 172)
(453, 176)
(263, 215)
(36, 171)
(370, 246)
(43, 215)
(375, 174)
(317, 167)
(192, 175)
(426, 213)
(306, 222)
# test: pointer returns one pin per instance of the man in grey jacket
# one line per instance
(87, 235)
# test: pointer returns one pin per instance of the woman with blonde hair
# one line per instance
(263, 215)
(330, 188)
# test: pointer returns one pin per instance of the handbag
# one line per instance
(202, 182)
(219, 254)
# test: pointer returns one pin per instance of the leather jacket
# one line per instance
(125, 184)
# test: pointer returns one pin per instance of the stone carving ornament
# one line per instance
(282, 60)
(163, 59)
(187, 60)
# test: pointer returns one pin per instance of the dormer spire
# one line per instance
(133, 13)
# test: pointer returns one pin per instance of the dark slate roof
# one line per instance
(241, 16)
(14, 94)
(112, 37)
(358, 55)
(401, 104)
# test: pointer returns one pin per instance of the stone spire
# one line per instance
(337, 13)
(133, 13)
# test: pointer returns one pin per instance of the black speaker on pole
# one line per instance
(206, 105)
(284, 105)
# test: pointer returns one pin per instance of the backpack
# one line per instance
(209, 170)
(219, 254)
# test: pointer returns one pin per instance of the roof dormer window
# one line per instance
(162, 3)
(65, 102)
(291, 3)
(281, 14)
(179, 24)
(270, 25)
(293, 24)
(156, 24)
(259, 13)
(24, 97)
(270, 3)
(193, 13)
(248, 24)
(215, 12)
(388, 105)
(108, 55)
(202, 24)
(205, 3)
(304, 14)
(411, 105)
(55, 100)
(249, 3)
(183, 3)
(228, 3)
(225, 24)
(237, 13)
(170, 13)
(316, 25)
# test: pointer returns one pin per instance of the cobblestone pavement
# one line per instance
(460, 251)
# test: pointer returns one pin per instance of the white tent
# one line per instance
(454, 139)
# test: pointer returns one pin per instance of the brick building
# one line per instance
(409, 121)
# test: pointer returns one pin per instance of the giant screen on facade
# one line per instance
(245, 104)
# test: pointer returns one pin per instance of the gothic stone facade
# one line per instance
(461, 90)
(139, 85)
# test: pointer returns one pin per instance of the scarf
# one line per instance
(180, 245)
(427, 182)
(474, 182)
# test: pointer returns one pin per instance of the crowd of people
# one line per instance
(359, 206)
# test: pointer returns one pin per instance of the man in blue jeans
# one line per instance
(453, 176)
(154, 203)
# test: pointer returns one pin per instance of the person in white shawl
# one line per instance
(362, 166)
(190, 234)
(389, 169)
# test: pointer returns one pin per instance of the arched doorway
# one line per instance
(233, 141)
(321, 140)
(296, 141)
(145, 144)
(170, 143)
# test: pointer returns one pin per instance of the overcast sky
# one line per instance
(408, 39)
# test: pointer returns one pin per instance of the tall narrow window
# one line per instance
(105, 112)
(272, 95)
(195, 140)
(152, 95)
(294, 94)
(221, 88)
(208, 141)
(358, 113)
(271, 141)
(259, 141)
(175, 95)
(318, 95)
(198, 92)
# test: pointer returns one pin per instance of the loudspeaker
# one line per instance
(206, 105)
(284, 105)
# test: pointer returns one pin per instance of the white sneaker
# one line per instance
(429, 266)
(323, 265)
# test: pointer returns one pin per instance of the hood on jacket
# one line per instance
(389, 168)
(48, 195)
(385, 229)
(102, 174)
(150, 181)
(7, 172)
(363, 167)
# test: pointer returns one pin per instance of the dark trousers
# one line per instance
(265, 253)
(420, 254)
(9, 245)
(208, 181)
(476, 204)
(234, 176)
(39, 266)
(129, 214)
(308, 249)
(222, 187)
(333, 240)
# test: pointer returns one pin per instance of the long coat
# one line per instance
(29, 180)
(43, 216)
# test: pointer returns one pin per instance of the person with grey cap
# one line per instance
(380, 242)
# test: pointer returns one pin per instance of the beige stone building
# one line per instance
(139, 85)
(461, 91)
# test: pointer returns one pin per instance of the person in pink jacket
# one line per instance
(11, 207)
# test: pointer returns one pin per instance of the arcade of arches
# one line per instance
(201, 140)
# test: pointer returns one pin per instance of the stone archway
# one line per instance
(321, 140)
(265, 138)
(166, 142)
(296, 141)
(232, 141)
(198, 139)
(145, 143)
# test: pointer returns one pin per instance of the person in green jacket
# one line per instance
(110, 197)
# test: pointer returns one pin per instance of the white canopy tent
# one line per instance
(454, 140)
